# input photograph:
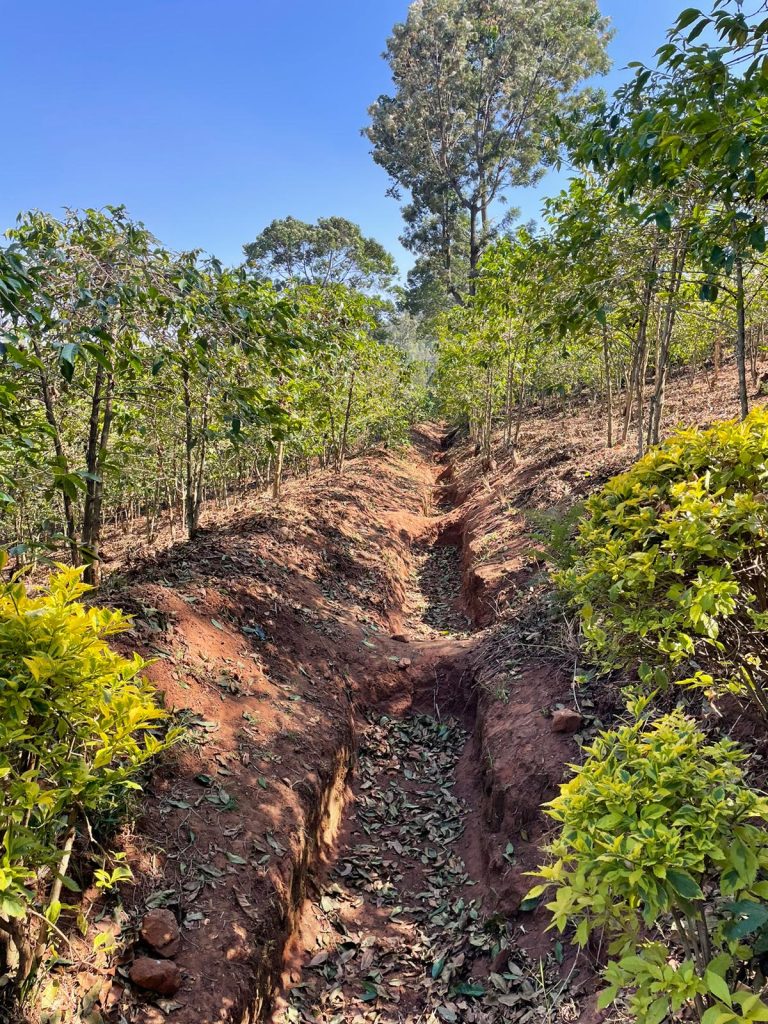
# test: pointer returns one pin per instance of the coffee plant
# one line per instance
(662, 852)
(670, 566)
(77, 722)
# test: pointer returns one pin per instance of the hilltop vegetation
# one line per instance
(138, 383)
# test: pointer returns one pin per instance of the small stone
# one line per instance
(566, 720)
(404, 663)
(113, 997)
(160, 931)
(161, 976)
(401, 638)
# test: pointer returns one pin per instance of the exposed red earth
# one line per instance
(408, 586)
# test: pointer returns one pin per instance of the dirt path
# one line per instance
(398, 927)
(312, 644)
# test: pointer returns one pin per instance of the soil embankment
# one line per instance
(339, 817)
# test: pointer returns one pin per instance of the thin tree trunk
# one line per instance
(741, 337)
(670, 314)
(487, 438)
(642, 370)
(641, 341)
(199, 489)
(474, 249)
(345, 427)
(608, 391)
(98, 438)
(189, 444)
(58, 447)
(277, 479)
(521, 394)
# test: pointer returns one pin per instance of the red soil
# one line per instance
(274, 629)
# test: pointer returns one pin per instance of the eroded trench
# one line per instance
(399, 920)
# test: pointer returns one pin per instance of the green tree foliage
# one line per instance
(332, 251)
(687, 142)
(660, 840)
(652, 259)
(475, 82)
(77, 723)
(493, 348)
(139, 382)
(670, 562)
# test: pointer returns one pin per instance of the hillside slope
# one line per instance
(371, 650)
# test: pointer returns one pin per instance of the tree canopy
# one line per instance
(476, 83)
(331, 251)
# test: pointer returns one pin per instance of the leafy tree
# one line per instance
(139, 382)
(80, 333)
(692, 132)
(332, 251)
(475, 82)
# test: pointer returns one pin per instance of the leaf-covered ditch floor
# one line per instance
(397, 930)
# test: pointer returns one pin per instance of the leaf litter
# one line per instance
(400, 933)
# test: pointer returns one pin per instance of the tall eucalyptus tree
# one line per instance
(476, 83)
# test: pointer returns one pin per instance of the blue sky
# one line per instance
(208, 118)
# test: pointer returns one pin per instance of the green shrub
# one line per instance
(671, 563)
(659, 832)
(553, 531)
(76, 723)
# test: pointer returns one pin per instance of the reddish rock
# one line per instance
(566, 720)
(161, 976)
(161, 932)
(402, 638)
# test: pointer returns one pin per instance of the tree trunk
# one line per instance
(717, 360)
(277, 479)
(202, 458)
(670, 314)
(58, 447)
(98, 438)
(642, 370)
(345, 427)
(741, 337)
(487, 438)
(641, 342)
(608, 391)
(189, 444)
(508, 403)
(474, 249)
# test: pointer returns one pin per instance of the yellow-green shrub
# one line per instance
(671, 560)
(76, 722)
(658, 829)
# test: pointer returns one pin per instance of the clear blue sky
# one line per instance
(208, 118)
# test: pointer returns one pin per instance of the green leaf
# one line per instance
(530, 903)
(67, 357)
(469, 989)
(606, 997)
(751, 917)
(657, 1011)
(11, 907)
(688, 16)
(684, 885)
(757, 237)
(718, 987)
